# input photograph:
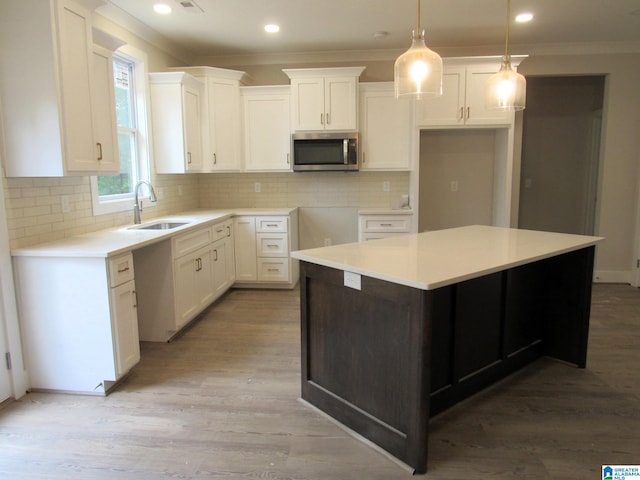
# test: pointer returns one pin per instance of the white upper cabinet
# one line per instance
(104, 110)
(324, 98)
(462, 100)
(50, 80)
(267, 129)
(176, 111)
(385, 128)
(221, 134)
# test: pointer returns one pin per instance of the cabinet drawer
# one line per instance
(221, 230)
(386, 224)
(272, 245)
(273, 269)
(271, 224)
(189, 242)
(120, 269)
(374, 236)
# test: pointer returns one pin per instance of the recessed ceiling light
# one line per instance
(524, 17)
(162, 8)
(272, 28)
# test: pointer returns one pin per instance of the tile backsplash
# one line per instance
(34, 205)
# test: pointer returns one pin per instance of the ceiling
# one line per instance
(235, 27)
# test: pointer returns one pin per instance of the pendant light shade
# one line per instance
(506, 89)
(418, 71)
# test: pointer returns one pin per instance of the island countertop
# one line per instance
(435, 259)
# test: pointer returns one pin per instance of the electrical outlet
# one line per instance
(385, 186)
(327, 242)
(258, 187)
(454, 185)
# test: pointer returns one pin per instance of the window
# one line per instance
(115, 193)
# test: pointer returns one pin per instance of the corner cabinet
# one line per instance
(462, 100)
(264, 244)
(78, 343)
(55, 65)
(176, 111)
(385, 128)
(181, 276)
(221, 134)
(324, 99)
(267, 128)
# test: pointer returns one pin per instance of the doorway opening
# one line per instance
(561, 154)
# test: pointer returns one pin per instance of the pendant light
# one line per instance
(418, 71)
(506, 89)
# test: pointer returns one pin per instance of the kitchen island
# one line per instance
(398, 329)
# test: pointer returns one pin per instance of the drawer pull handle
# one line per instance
(386, 225)
(228, 231)
(271, 245)
(135, 299)
(274, 225)
(219, 230)
(273, 270)
(99, 145)
(122, 270)
(198, 264)
(216, 257)
(189, 158)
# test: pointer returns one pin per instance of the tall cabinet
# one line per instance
(466, 171)
(51, 61)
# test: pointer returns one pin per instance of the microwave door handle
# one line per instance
(345, 151)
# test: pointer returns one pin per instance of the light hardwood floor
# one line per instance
(221, 401)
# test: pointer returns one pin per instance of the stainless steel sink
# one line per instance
(158, 226)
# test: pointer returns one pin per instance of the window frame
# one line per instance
(140, 76)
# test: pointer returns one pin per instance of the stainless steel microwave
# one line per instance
(335, 151)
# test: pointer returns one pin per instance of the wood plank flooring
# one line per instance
(221, 401)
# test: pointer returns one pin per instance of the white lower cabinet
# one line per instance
(77, 342)
(262, 247)
(375, 225)
(180, 277)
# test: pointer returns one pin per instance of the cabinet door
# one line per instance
(192, 129)
(224, 125)
(386, 130)
(186, 297)
(245, 248)
(449, 108)
(220, 277)
(476, 113)
(230, 253)
(124, 319)
(308, 103)
(104, 110)
(204, 277)
(75, 52)
(267, 132)
(340, 103)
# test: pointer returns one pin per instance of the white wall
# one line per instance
(617, 215)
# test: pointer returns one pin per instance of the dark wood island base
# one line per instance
(383, 358)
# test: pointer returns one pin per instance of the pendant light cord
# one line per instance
(506, 45)
(419, 32)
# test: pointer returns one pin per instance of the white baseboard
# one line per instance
(613, 276)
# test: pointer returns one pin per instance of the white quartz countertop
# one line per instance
(443, 257)
(114, 241)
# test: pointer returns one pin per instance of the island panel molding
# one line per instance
(381, 355)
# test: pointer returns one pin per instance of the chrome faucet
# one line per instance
(137, 206)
